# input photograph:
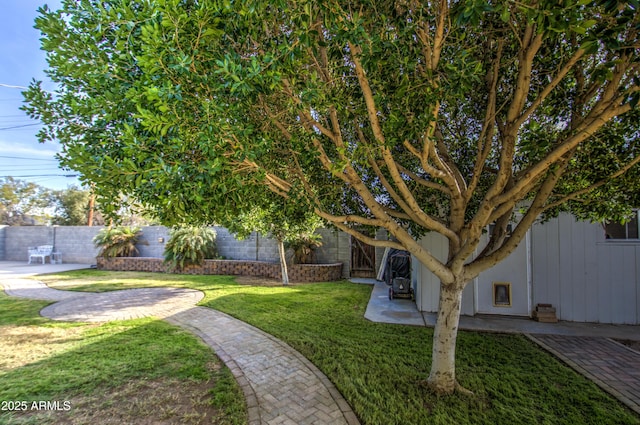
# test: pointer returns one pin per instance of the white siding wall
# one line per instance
(586, 277)
(513, 270)
(571, 265)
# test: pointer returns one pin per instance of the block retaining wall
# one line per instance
(297, 272)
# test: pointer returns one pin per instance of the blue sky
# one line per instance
(21, 60)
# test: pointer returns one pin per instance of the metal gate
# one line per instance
(363, 259)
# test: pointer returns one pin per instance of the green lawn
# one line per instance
(119, 372)
(381, 368)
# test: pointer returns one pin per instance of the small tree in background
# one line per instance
(283, 220)
(72, 207)
(119, 241)
(190, 245)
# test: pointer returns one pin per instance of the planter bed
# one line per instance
(297, 272)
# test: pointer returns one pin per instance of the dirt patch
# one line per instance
(22, 345)
(260, 281)
(156, 402)
(635, 345)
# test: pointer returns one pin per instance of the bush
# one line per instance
(190, 245)
(304, 246)
(119, 241)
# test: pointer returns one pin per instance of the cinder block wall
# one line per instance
(153, 241)
(19, 238)
(3, 234)
(336, 248)
(76, 244)
(253, 248)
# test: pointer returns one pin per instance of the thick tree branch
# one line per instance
(485, 140)
(412, 207)
(423, 182)
(480, 264)
(424, 161)
(562, 73)
(528, 178)
(405, 241)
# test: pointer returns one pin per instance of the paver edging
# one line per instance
(594, 378)
(626, 347)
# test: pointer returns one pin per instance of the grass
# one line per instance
(120, 372)
(380, 368)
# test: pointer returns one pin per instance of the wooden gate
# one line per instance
(363, 259)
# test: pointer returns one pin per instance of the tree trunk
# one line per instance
(283, 263)
(442, 378)
(92, 204)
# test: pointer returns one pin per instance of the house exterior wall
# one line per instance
(427, 285)
(585, 276)
(516, 272)
(563, 262)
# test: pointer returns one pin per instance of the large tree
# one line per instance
(23, 203)
(414, 117)
(72, 206)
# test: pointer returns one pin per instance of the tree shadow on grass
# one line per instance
(143, 371)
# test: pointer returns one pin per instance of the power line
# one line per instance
(11, 86)
(40, 175)
(20, 126)
(5, 169)
(30, 159)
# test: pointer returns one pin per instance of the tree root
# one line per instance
(456, 389)
(462, 390)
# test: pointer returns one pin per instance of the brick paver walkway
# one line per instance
(611, 365)
(280, 385)
(288, 388)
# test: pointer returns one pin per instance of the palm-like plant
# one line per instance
(119, 241)
(304, 246)
(190, 245)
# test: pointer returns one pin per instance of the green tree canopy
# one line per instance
(414, 117)
(283, 219)
(72, 206)
(23, 203)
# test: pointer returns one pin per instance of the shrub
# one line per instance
(190, 245)
(304, 246)
(119, 241)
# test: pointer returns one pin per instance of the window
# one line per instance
(629, 230)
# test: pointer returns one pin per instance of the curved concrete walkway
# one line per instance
(281, 386)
